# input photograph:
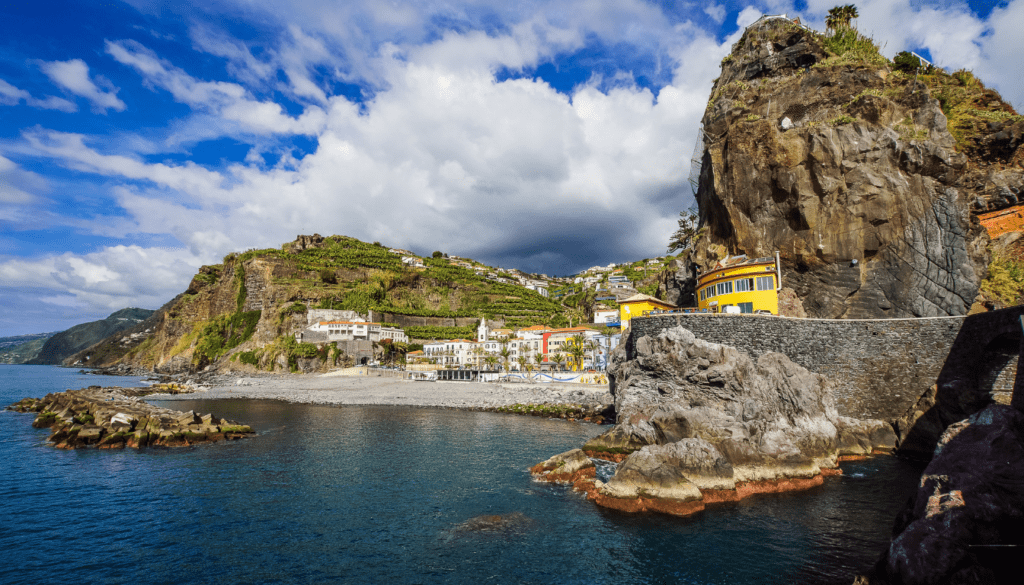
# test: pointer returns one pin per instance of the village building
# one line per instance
(327, 331)
(604, 316)
(637, 305)
(741, 285)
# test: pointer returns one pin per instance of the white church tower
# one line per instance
(482, 331)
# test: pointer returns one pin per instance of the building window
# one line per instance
(765, 283)
(724, 288)
(746, 307)
(744, 285)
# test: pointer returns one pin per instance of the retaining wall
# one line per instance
(880, 366)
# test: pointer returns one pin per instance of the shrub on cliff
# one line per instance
(1005, 280)
(906, 62)
(328, 276)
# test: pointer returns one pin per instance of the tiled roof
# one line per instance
(640, 297)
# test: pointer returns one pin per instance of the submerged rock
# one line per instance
(114, 418)
(700, 422)
(495, 523)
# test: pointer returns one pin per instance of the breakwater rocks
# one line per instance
(114, 418)
(702, 423)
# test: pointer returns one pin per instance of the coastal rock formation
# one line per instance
(700, 423)
(569, 468)
(850, 170)
(966, 522)
(114, 418)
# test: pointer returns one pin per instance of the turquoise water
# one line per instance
(378, 494)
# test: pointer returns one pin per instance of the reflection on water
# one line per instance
(378, 494)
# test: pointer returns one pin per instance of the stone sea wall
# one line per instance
(880, 366)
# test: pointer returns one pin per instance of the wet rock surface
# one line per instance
(115, 418)
(966, 522)
(701, 423)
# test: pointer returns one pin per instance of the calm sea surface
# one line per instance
(378, 494)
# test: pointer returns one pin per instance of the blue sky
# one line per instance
(142, 139)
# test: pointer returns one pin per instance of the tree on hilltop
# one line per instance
(839, 17)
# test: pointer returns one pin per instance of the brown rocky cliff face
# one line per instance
(861, 190)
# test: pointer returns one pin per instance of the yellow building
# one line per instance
(637, 305)
(741, 285)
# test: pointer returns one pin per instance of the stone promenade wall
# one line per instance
(880, 366)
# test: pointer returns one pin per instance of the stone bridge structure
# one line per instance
(920, 374)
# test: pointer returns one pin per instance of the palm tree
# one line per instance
(478, 352)
(491, 360)
(558, 358)
(574, 314)
(576, 351)
(592, 347)
(839, 17)
(505, 354)
(523, 361)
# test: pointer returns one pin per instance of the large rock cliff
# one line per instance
(849, 169)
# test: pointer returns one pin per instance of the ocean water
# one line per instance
(382, 495)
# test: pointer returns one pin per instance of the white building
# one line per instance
(606, 316)
(350, 330)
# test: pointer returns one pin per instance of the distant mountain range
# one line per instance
(53, 348)
(21, 348)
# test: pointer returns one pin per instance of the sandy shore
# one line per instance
(313, 389)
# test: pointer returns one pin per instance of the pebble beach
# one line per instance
(371, 390)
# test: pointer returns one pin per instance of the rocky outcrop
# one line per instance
(966, 522)
(678, 284)
(114, 418)
(568, 468)
(850, 171)
(703, 423)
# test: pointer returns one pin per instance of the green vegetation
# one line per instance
(431, 332)
(240, 283)
(839, 17)
(689, 232)
(328, 276)
(968, 105)
(842, 119)
(753, 117)
(250, 357)
(552, 410)
(210, 275)
(847, 46)
(294, 308)
(1005, 280)
(217, 336)
(906, 62)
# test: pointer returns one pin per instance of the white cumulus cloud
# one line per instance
(73, 76)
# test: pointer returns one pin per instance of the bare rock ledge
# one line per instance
(114, 418)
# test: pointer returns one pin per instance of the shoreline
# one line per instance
(383, 391)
